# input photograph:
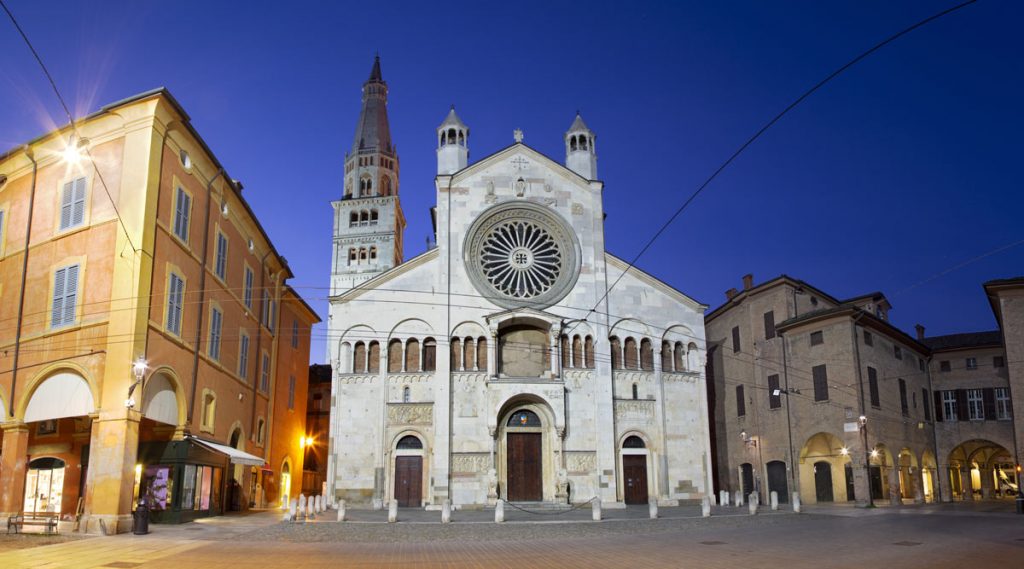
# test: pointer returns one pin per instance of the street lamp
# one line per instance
(139, 368)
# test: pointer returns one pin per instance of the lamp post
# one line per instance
(139, 368)
(868, 454)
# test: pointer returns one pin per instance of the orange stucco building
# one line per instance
(146, 325)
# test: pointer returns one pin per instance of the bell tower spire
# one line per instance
(368, 220)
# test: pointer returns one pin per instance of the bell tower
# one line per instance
(452, 144)
(368, 220)
(580, 155)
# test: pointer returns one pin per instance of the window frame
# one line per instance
(220, 256)
(169, 322)
(63, 321)
(821, 382)
(975, 404)
(187, 215)
(950, 406)
(817, 338)
(243, 355)
(215, 331)
(248, 282)
(1003, 406)
(264, 372)
(58, 218)
(741, 401)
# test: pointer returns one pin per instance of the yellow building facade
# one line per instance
(145, 326)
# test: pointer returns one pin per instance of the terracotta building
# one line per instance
(150, 343)
(318, 423)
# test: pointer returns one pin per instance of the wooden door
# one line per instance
(634, 475)
(409, 481)
(525, 475)
(777, 480)
(823, 481)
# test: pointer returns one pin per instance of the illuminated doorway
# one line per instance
(44, 485)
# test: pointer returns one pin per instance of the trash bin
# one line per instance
(141, 518)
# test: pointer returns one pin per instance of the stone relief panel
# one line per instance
(680, 376)
(580, 462)
(471, 463)
(411, 413)
(626, 410)
(356, 379)
(578, 377)
(635, 376)
(403, 378)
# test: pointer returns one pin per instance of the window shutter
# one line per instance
(57, 316)
(774, 401)
(741, 402)
(70, 293)
(78, 205)
(736, 339)
(962, 413)
(67, 196)
(820, 375)
(988, 397)
(924, 405)
(938, 406)
(769, 325)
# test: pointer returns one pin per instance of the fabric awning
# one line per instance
(236, 456)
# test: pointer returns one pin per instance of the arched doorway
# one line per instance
(408, 491)
(634, 470)
(747, 479)
(823, 481)
(44, 485)
(524, 457)
(777, 480)
(235, 489)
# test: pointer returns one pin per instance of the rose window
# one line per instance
(521, 254)
(521, 259)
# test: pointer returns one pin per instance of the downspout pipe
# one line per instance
(863, 408)
(24, 276)
(794, 479)
(259, 355)
(202, 294)
(937, 479)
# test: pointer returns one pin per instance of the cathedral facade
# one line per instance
(517, 359)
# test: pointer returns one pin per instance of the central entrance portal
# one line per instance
(524, 467)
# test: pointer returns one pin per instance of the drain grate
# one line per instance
(907, 543)
(712, 543)
(123, 564)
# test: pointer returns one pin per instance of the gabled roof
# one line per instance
(864, 317)
(388, 275)
(777, 281)
(654, 282)
(522, 147)
(965, 340)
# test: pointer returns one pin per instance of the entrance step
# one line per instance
(538, 506)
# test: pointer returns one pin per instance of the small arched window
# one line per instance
(572, 142)
(406, 394)
(583, 142)
(359, 358)
(468, 354)
(616, 353)
(373, 217)
(680, 357)
(636, 392)
(456, 353)
(395, 356)
(362, 255)
(409, 442)
(524, 418)
(261, 427)
(481, 353)
(577, 351)
(588, 347)
(373, 253)
(633, 441)
(691, 357)
(462, 139)
(373, 360)
(351, 256)
(385, 184)
(666, 356)
(564, 345)
(629, 355)
(429, 354)
(451, 136)
(646, 355)
(353, 219)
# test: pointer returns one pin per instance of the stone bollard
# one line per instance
(292, 509)
(724, 498)
(739, 498)
(316, 505)
(596, 509)
(302, 507)
(446, 512)
(773, 499)
(705, 507)
(754, 500)
(310, 509)
(341, 510)
(392, 511)
(499, 511)
(286, 517)
(322, 500)
(796, 502)
(652, 508)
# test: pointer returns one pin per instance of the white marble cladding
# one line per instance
(585, 413)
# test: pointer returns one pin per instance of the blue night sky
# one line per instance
(892, 175)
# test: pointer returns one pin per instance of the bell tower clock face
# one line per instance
(522, 254)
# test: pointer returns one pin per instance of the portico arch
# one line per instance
(58, 394)
(981, 468)
(823, 461)
(163, 400)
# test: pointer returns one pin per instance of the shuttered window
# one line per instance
(247, 290)
(869, 340)
(925, 402)
(873, 387)
(175, 303)
(221, 265)
(975, 405)
(741, 403)
(65, 296)
(774, 392)
(216, 321)
(182, 210)
(265, 374)
(820, 383)
(769, 325)
(736, 339)
(904, 408)
(291, 391)
(243, 357)
(817, 338)
(1002, 395)
(72, 204)
(949, 406)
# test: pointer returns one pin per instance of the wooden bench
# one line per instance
(46, 519)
